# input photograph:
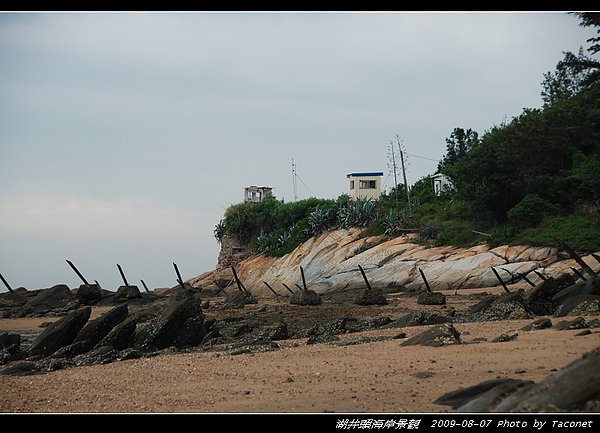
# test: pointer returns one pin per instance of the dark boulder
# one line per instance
(60, 333)
(542, 323)
(100, 355)
(502, 307)
(99, 328)
(370, 297)
(589, 287)
(323, 338)
(538, 299)
(127, 292)
(505, 337)
(89, 294)
(121, 336)
(436, 336)
(418, 318)
(10, 342)
(258, 347)
(73, 349)
(565, 325)
(431, 298)
(575, 388)
(587, 308)
(10, 299)
(20, 369)
(581, 302)
(359, 325)
(305, 297)
(462, 396)
(55, 297)
(489, 399)
(238, 299)
(175, 319)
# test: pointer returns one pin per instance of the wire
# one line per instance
(423, 157)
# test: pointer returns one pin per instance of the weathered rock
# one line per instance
(20, 369)
(241, 348)
(89, 294)
(121, 336)
(55, 297)
(595, 323)
(492, 397)
(238, 299)
(73, 349)
(359, 325)
(278, 331)
(191, 333)
(165, 331)
(570, 304)
(60, 333)
(462, 396)
(436, 336)
(577, 323)
(582, 333)
(589, 287)
(503, 307)
(99, 355)
(418, 318)
(538, 299)
(505, 337)
(371, 297)
(574, 388)
(99, 328)
(128, 292)
(305, 297)
(431, 298)
(10, 342)
(9, 300)
(587, 308)
(542, 323)
(323, 338)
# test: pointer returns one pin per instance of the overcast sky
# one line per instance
(124, 137)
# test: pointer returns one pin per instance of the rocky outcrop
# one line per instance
(371, 297)
(305, 297)
(60, 333)
(436, 336)
(330, 263)
(89, 294)
(576, 388)
(99, 328)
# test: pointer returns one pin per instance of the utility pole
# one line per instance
(394, 168)
(294, 180)
(404, 174)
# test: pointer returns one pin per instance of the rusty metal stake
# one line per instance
(524, 276)
(271, 289)
(501, 281)
(179, 279)
(298, 286)
(539, 274)
(579, 274)
(241, 287)
(145, 286)
(425, 279)
(364, 277)
(303, 280)
(576, 257)
(287, 287)
(6, 284)
(122, 275)
(78, 273)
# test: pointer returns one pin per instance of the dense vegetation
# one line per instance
(524, 181)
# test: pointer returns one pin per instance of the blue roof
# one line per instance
(366, 173)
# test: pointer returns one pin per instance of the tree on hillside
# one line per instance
(457, 146)
(574, 72)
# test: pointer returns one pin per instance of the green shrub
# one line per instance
(531, 211)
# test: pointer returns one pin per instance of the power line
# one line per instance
(423, 157)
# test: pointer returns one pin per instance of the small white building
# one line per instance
(441, 183)
(256, 194)
(365, 185)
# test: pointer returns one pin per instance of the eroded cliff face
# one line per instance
(330, 264)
